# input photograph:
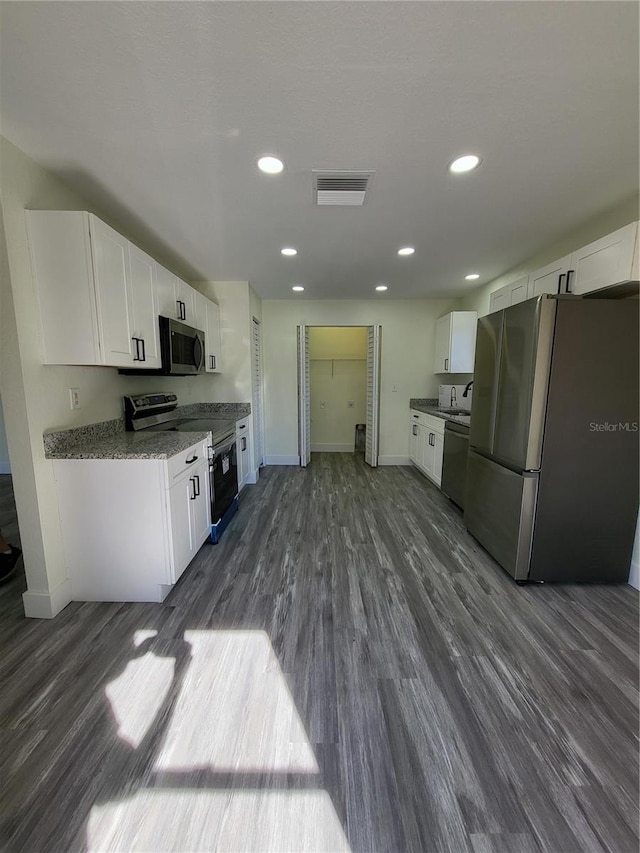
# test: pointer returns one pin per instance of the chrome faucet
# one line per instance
(453, 401)
(465, 393)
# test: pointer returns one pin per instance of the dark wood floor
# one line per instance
(346, 670)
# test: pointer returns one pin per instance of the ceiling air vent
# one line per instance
(341, 188)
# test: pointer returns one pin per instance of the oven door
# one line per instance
(223, 473)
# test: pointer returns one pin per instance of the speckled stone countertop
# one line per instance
(131, 445)
(430, 407)
(109, 439)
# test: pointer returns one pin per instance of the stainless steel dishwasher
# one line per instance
(454, 464)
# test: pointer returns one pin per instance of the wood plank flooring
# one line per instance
(346, 670)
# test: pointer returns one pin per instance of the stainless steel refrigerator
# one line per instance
(552, 476)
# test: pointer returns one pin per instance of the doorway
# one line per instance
(338, 390)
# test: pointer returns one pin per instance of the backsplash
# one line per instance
(450, 397)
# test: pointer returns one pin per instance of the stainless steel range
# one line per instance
(157, 412)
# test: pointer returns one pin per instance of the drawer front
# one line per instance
(417, 417)
(434, 424)
(180, 465)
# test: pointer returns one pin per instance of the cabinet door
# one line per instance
(426, 449)
(443, 345)
(243, 445)
(145, 308)
(167, 289)
(463, 341)
(213, 346)
(499, 299)
(549, 279)
(187, 304)
(438, 451)
(606, 261)
(113, 294)
(518, 290)
(200, 507)
(413, 442)
(181, 496)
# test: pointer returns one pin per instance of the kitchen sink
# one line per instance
(462, 412)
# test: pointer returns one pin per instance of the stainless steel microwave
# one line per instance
(182, 350)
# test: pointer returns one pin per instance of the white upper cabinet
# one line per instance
(607, 261)
(455, 342)
(213, 344)
(146, 337)
(510, 294)
(113, 293)
(167, 288)
(176, 298)
(93, 310)
(207, 318)
(550, 279)
(186, 300)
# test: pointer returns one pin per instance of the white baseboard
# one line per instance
(46, 605)
(252, 477)
(332, 448)
(5, 468)
(282, 460)
(394, 460)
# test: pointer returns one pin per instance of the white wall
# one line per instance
(35, 396)
(408, 342)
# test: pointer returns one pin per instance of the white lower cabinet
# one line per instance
(244, 451)
(426, 443)
(131, 527)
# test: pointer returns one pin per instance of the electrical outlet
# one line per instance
(350, 404)
(322, 404)
(74, 398)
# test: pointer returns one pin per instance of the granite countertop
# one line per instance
(131, 445)
(430, 407)
(110, 440)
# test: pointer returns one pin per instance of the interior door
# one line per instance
(304, 397)
(374, 334)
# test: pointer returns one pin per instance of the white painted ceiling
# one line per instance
(161, 109)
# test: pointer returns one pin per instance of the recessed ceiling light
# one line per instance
(472, 276)
(407, 250)
(464, 164)
(288, 251)
(298, 288)
(381, 287)
(270, 165)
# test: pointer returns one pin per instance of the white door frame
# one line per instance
(304, 391)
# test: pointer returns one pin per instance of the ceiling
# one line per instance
(161, 109)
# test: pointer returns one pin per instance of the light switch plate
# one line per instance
(74, 398)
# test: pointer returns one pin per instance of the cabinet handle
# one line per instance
(137, 355)
(244, 443)
(196, 477)
(417, 417)
(212, 362)
(243, 426)
(144, 353)
(179, 305)
(415, 429)
(193, 495)
(431, 443)
(191, 461)
(446, 364)
(568, 290)
(560, 277)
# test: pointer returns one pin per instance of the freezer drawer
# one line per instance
(499, 512)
